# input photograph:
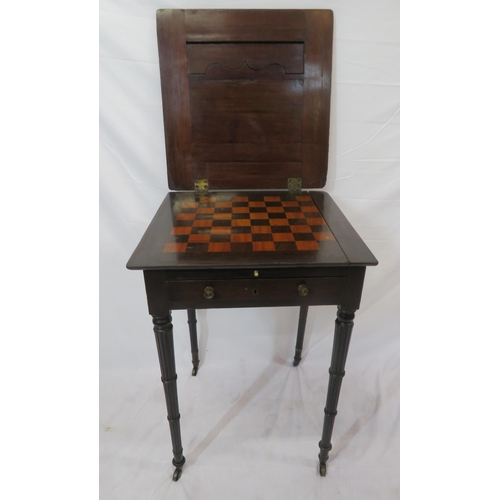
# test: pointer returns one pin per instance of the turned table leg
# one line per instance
(300, 335)
(194, 340)
(343, 329)
(165, 344)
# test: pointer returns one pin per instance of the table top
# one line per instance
(234, 229)
(246, 96)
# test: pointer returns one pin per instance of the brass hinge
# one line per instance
(201, 186)
(295, 185)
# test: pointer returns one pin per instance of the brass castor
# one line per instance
(195, 371)
(322, 470)
(296, 361)
(177, 474)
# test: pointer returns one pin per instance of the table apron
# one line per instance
(253, 292)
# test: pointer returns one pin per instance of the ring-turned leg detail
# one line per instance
(300, 335)
(343, 330)
(165, 344)
(194, 340)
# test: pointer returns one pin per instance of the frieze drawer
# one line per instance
(253, 292)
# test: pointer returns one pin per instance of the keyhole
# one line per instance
(255, 292)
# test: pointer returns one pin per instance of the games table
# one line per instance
(246, 101)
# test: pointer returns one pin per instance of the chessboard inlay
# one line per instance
(255, 223)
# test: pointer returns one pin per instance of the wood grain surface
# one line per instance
(242, 79)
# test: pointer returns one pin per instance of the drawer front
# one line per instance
(205, 294)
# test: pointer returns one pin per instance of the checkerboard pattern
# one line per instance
(254, 223)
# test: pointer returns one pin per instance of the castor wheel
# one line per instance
(177, 474)
(296, 361)
(195, 371)
(322, 470)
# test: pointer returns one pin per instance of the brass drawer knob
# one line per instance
(209, 292)
(303, 290)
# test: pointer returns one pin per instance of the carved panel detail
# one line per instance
(245, 60)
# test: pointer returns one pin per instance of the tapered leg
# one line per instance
(194, 340)
(300, 334)
(165, 344)
(343, 329)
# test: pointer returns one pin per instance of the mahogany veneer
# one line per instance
(246, 103)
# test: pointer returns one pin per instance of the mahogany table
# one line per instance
(246, 99)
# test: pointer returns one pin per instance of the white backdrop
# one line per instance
(250, 422)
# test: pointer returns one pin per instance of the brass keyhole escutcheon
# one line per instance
(256, 273)
(303, 290)
(209, 292)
